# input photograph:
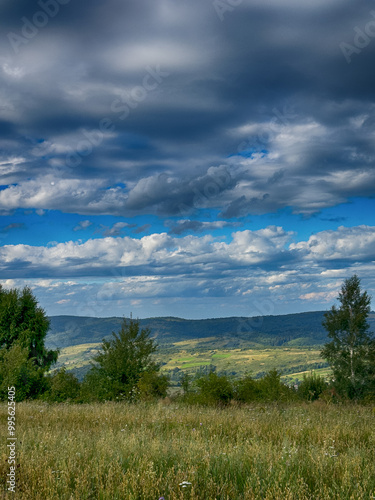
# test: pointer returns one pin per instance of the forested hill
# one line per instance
(302, 329)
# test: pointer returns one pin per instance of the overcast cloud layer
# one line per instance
(202, 116)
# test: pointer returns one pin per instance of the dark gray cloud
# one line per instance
(196, 226)
(180, 91)
(115, 230)
(142, 229)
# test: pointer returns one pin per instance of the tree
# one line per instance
(18, 370)
(214, 388)
(23, 322)
(185, 381)
(24, 359)
(271, 388)
(152, 385)
(351, 352)
(63, 386)
(121, 363)
(246, 389)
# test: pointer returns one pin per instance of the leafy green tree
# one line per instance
(24, 322)
(271, 388)
(63, 386)
(24, 359)
(247, 390)
(214, 388)
(18, 370)
(121, 362)
(185, 381)
(351, 351)
(152, 385)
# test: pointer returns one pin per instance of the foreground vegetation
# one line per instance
(147, 451)
(222, 437)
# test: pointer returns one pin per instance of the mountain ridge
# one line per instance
(301, 329)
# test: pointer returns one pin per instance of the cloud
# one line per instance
(14, 225)
(257, 114)
(115, 229)
(184, 226)
(152, 254)
(82, 225)
(142, 229)
(319, 296)
(265, 97)
(334, 219)
(349, 244)
(271, 249)
(258, 265)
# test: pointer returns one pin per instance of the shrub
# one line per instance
(98, 387)
(214, 388)
(246, 390)
(151, 385)
(63, 386)
(272, 389)
(312, 386)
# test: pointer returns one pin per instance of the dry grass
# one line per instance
(144, 451)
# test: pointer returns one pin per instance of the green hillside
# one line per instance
(292, 329)
(289, 343)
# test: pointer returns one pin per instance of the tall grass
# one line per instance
(145, 451)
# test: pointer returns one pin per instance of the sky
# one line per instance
(191, 158)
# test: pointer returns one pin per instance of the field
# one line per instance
(191, 355)
(146, 451)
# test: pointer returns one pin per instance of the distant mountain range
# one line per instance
(303, 329)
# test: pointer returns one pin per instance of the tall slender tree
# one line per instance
(351, 351)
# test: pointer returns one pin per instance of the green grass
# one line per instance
(145, 451)
(221, 356)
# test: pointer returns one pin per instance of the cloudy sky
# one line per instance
(192, 158)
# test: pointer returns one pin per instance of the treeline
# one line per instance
(124, 368)
(209, 389)
(219, 389)
(175, 374)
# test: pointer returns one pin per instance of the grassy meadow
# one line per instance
(147, 450)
